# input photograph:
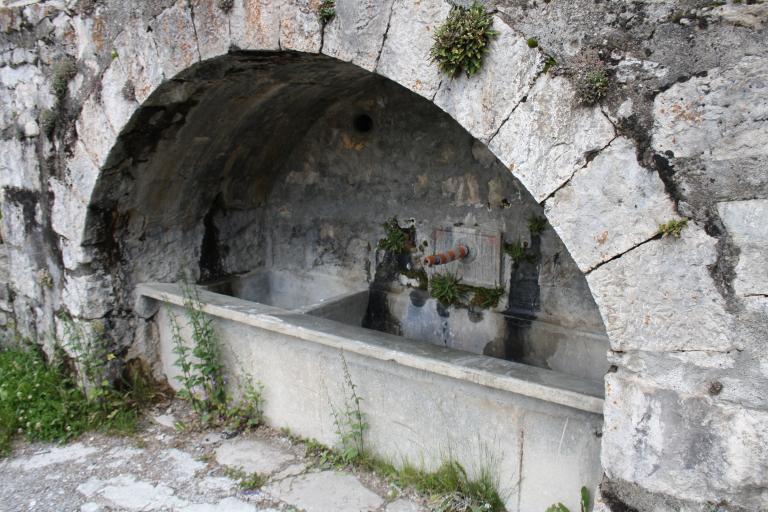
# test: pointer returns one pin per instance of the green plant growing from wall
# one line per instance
(583, 503)
(225, 5)
(536, 225)
(518, 252)
(327, 11)
(446, 288)
(673, 228)
(486, 298)
(590, 78)
(461, 42)
(202, 373)
(63, 71)
(549, 63)
(532, 42)
(350, 422)
(396, 239)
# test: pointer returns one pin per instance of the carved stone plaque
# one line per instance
(483, 265)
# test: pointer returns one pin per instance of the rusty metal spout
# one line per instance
(457, 253)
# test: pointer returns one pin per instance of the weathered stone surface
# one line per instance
(253, 456)
(661, 297)
(549, 137)
(405, 55)
(18, 165)
(211, 28)
(309, 492)
(88, 296)
(138, 54)
(720, 116)
(96, 133)
(609, 206)
(174, 35)
(356, 33)
(255, 24)
(685, 446)
(118, 103)
(300, 26)
(481, 103)
(747, 225)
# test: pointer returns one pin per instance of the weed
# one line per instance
(518, 252)
(420, 275)
(114, 54)
(673, 228)
(462, 40)
(396, 239)
(536, 225)
(225, 5)
(583, 503)
(202, 374)
(446, 289)
(591, 79)
(532, 42)
(246, 481)
(549, 63)
(48, 118)
(350, 422)
(327, 11)
(63, 71)
(486, 298)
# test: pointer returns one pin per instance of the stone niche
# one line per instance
(292, 165)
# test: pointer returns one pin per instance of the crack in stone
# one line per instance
(591, 156)
(384, 39)
(194, 31)
(657, 236)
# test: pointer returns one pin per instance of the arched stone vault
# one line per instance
(656, 295)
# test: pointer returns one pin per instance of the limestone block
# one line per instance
(255, 25)
(87, 296)
(174, 34)
(405, 56)
(609, 206)
(661, 297)
(356, 33)
(720, 116)
(19, 166)
(549, 137)
(484, 101)
(119, 106)
(95, 131)
(683, 445)
(10, 77)
(19, 219)
(137, 52)
(300, 26)
(211, 27)
(22, 270)
(68, 212)
(747, 225)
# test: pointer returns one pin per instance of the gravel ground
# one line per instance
(162, 468)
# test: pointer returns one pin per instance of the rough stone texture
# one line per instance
(255, 25)
(483, 102)
(175, 39)
(405, 54)
(138, 54)
(549, 137)
(747, 227)
(212, 28)
(674, 307)
(300, 26)
(253, 456)
(356, 33)
(309, 492)
(610, 206)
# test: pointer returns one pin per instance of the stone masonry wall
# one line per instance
(681, 133)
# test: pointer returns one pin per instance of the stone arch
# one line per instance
(569, 158)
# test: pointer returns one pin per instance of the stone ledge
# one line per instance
(521, 379)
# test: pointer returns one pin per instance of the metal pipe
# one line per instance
(457, 253)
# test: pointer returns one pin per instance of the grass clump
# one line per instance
(532, 42)
(486, 298)
(202, 373)
(673, 228)
(518, 252)
(583, 503)
(536, 225)
(225, 5)
(396, 239)
(40, 401)
(446, 288)
(63, 71)
(327, 11)
(590, 77)
(246, 481)
(462, 40)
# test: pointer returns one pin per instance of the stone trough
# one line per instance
(537, 429)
